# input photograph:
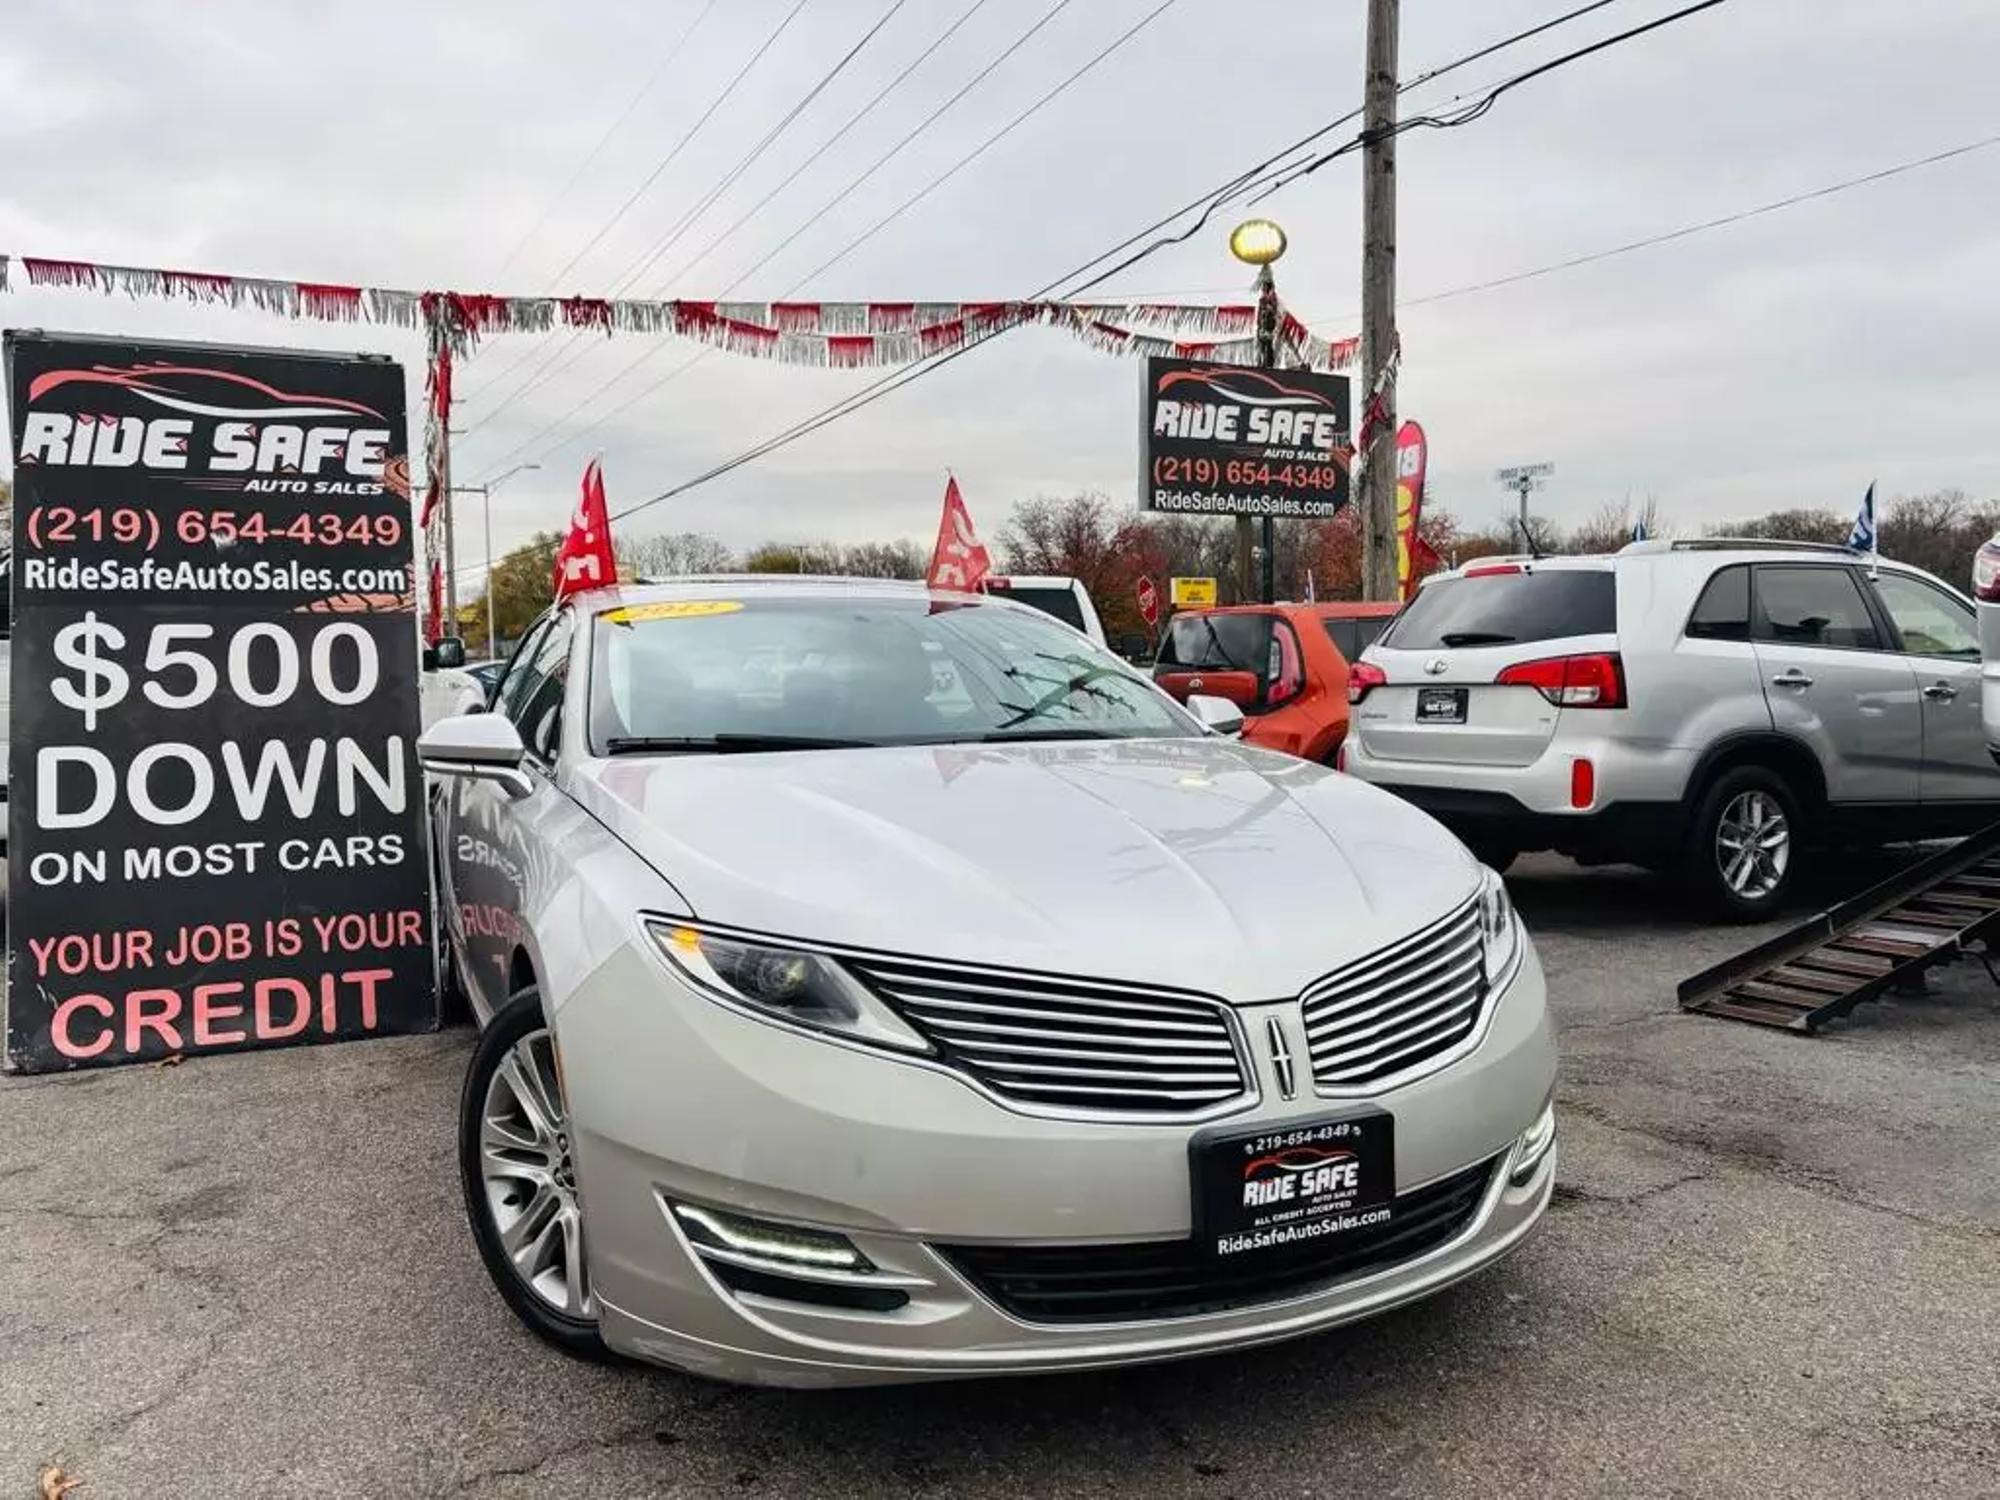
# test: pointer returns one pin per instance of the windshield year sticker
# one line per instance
(678, 609)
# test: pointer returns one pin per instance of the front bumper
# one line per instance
(676, 1100)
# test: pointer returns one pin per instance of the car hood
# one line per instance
(1202, 864)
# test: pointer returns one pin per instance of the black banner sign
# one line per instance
(1235, 440)
(215, 818)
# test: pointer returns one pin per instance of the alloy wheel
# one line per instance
(1753, 844)
(529, 1175)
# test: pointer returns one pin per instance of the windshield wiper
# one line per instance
(1475, 638)
(726, 744)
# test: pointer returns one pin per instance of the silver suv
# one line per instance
(1707, 708)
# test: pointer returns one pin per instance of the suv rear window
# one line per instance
(1499, 609)
(1352, 637)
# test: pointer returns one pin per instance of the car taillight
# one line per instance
(1490, 570)
(1986, 572)
(1283, 671)
(1593, 681)
(1362, 676)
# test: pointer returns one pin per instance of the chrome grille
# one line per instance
(1068, 1043)
(1399, 1007)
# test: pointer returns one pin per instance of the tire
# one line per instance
(1495, 856)
(536, 1212)
(1744, 807)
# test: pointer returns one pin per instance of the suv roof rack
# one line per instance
(1758, 544)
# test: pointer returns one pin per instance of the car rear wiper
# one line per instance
(726, 744)
(1475, 638)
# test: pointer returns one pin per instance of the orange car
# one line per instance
(1284, 665)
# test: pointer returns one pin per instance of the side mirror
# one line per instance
(449, 652)
(477, 747)
(1216, 715)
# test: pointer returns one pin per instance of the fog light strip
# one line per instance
(1533, 1145)
(771, 1243)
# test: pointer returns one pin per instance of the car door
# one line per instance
(1938, 635)
(484, 824)
(1833, 680)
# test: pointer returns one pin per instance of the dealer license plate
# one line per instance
(1440, 705)
(1260, 1192)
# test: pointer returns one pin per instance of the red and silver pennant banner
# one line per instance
(833, 335)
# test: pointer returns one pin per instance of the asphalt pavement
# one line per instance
(1772, 1269)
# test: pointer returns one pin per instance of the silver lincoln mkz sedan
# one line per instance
(885, 985)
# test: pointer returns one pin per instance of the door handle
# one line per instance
(1941, 692)
(1791, 677)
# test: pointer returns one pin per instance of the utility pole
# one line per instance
(450, 550)
(1378, 302)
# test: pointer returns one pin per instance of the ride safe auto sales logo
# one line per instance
(1298, 1174)
(215, 819)
(1225, 439)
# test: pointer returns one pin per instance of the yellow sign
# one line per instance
(676, 609)
(1193, 591)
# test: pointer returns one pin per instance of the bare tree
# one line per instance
(671, 553)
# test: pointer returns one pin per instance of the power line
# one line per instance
(688, 219)
(1479, 108)
(890, 384)
(928, 120)
(1217, 197)
(980, 150)
(828, 143)
(554, 364)
(610, 130)
(681, 144)
(648, 354)
(1685, 230)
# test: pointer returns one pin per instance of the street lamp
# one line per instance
(485, 493)
(1259, 242)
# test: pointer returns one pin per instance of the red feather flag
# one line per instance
(434, 622)
(584, 560)
(960, 560)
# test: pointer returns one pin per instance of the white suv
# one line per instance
(1705, 707)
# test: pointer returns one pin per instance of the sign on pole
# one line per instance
(1232, 440)
(1149, 601)
(1193, 593)
(215, 823)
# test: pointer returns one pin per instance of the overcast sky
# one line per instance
(1784, 361)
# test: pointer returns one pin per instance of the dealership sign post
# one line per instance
(215, 831)
(1235, 440)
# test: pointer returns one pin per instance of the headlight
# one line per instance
(786, 984)
(1499, 928)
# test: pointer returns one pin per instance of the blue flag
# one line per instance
(1862, 537)
(1639, 530)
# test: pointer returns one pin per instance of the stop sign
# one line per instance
(1149, 601)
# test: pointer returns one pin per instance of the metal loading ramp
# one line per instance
(1889, 934)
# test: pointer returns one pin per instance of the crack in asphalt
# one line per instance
(149, 1252)
(1569, 1192)
(625, 1437)
(1793, 1174)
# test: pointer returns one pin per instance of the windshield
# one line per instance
(773, 674)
